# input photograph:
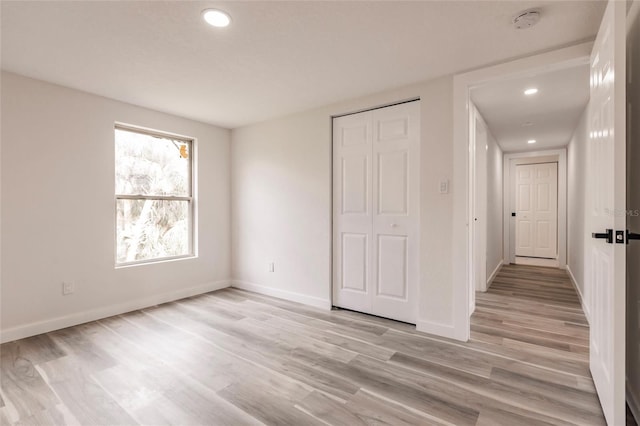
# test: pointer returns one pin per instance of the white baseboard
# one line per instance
(493, 274)
(537, 261)
(633, 401)
(283, 294)
(52, 324)
(437, 328)
(585, 308)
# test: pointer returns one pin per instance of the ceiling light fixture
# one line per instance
(531, 141)
(216, 18)
(531, 91)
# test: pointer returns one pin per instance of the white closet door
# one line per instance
(396, 197)
(376, 209)
(352, 219)
(537, 210)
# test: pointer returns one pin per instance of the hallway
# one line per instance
(534, 309)
(533, 315)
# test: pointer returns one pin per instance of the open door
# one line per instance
(633, 209)
(605, 215)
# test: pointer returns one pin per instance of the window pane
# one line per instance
(151, 229)
(151, 165)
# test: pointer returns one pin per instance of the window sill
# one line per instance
(155, 261)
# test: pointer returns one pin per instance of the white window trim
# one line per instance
(190, 199)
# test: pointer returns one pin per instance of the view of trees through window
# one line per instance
(153, 196)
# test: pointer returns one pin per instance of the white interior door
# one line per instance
(353, 218)
(478, 187)
(537, 210)
(605, 197)
(524, 210)
(480, 208)
(633, 206)
(376, 211)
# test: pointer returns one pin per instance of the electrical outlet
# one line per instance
(272, 267)
(67, 288)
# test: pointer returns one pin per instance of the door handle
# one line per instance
(393, 225)
(632, 236)
(605, 235)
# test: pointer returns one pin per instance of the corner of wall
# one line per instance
(494, 274)
(585, 306)
(291, 296)
(436, 328)
(28, 330)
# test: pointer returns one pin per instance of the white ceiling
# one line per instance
(553, 112)
(276, 57)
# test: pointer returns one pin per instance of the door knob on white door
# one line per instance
(393, 225)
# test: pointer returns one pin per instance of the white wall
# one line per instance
(281, 204)
(495, 252)
(58, 219)
(576, 180)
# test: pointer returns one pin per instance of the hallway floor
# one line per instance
(533, 314)
(234, 357)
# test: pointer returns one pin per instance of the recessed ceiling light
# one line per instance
(531, 141)
(531, 91)
(216, 18)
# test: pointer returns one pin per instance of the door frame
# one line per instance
(462, 245)
(546, 156)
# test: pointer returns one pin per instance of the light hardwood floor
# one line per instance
(233, 358)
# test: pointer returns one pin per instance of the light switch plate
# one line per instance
(444, 186)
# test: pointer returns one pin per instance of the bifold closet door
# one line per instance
(376, 211)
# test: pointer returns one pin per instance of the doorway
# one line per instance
(603, 246)
(463, 239)
(510, 214)
(376, 172)
(537, 210)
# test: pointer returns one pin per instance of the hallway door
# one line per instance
(376, 198)
(537, 210)
(605, 213)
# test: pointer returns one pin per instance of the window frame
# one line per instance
(190, 199)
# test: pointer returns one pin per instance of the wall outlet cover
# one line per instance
(67, 287)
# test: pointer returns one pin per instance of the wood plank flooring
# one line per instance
(236, 358)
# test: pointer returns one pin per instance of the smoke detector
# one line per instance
(526, 19)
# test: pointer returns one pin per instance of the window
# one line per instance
(154, 196)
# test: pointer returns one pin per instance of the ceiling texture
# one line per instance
(549, 117)
(276, 58)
